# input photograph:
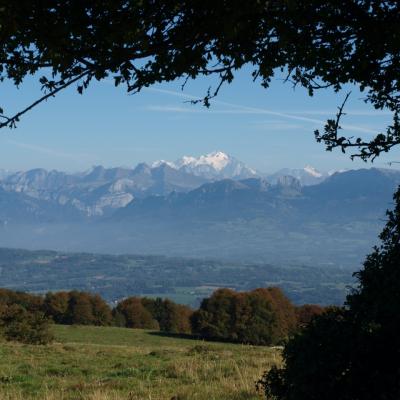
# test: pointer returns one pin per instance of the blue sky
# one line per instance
(267, 129)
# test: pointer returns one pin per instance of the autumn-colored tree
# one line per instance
(171, 317)
(77, 308)
(254, 319)
(29, 302)
(135, 314)
(215, 317)
(19, 324)
(185, 313)
(261, 316)
(306, 312)
(283, 309)
(101, 312)
(56, 306)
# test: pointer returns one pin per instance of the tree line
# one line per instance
(262, 316)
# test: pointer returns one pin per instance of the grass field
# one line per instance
(117, 363)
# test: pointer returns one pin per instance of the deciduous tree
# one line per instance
(135, 314)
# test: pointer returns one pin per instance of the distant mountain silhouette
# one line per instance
(18, 208)
(100, 191)
(164, 210)
(351, 195)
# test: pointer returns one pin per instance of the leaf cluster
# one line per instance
(138, 43)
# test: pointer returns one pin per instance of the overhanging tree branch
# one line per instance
(321, 43)
(11, 121)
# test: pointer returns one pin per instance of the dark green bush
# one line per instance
(30, 327)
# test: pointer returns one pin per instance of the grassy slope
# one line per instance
(117, 363)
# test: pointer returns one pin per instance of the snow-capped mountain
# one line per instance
(250, 218)
(307, 176)
(100, 191)
(217, 160)
(159, 163)
(215, 165)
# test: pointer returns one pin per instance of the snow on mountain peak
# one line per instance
(312, 171)
(214, 165)
(159, 163)
(217, 159)
(186, 160)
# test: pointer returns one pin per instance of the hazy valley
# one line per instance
(211, 206)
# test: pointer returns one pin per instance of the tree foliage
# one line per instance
(135, 314)
(261, 316)
(306, 312)
(138, 43)
(19, 324)
(77, 308)
(350, 353)
(28, 301)
(171, 317)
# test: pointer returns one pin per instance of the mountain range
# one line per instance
(212, 206)
(100, 191)
(348, 197)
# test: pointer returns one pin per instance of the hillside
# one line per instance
(130, 364)
(183, 280)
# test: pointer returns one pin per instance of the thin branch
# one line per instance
(340, 112)
(12, 120)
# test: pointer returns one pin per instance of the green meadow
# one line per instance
(105, 363)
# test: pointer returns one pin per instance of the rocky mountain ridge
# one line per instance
(332, 223)
(100, 191)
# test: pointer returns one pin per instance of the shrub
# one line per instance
(30, 327)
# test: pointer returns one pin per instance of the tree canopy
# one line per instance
(260, 316)
(138, 43)
(352, 352)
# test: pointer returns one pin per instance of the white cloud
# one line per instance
(372, 113)
(48, 151)
(241, 109)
